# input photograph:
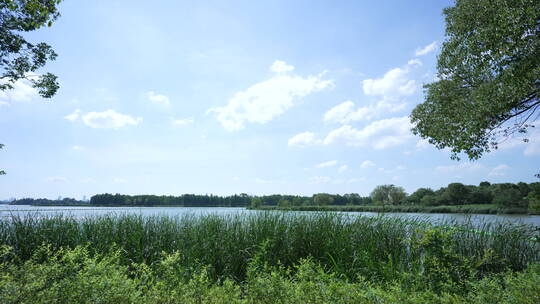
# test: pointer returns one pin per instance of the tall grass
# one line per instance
(374, 247)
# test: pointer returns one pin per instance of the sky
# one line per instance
(224, 97)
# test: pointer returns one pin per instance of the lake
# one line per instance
(22, 210)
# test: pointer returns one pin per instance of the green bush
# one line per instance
(75, 276)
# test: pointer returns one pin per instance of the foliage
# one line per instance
(534, 202)
(488, 77)
(376, 247)
(75, 276)
(20, 59)
(418, 195)
(323, 199)
(388, 194)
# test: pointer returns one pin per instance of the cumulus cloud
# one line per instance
(346, 113)
(326, 164)
(427, 49)
(303, 139)
(74, 115)
(414, 61)
(319, 180)
(466, 166)
(500, 170)
(281, 67)
(531, 146)
(22, 92)
(158, 99)
(266, 100)
(367, 164)
(394, 83)
(379, 134)
(109, 119)
(343, 168)
(182, 122)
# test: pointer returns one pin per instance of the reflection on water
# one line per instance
(21, 210)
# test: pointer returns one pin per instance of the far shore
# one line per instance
(466, 209)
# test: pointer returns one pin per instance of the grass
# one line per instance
(377, 247)
(266, 257)
(468, 209)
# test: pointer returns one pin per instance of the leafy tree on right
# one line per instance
(488, 78)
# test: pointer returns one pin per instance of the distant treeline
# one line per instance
(47, 202)
(241, 200)
(504, 195)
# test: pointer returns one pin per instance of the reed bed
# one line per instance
(374, 247)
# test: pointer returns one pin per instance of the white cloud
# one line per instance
(303, 139)
(533, 146)
(427, 49)
(57, 179)
(366, 164)
(414, 61)
(182, 122)
(22, 92)
(73, 116)
(500, 170)
(281, 67)
(4, 103)
(466, 166)
(343, 168)
(158, 99)
(320, 180)
(266, 100)
(329, 163)
(345, 113)
(109, 119)
(423, 144)
(393, 84)
(77, 148)
(379, 134)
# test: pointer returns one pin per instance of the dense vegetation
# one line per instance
(48, 202)
(488, 76)
(492, 198)
(265, 258)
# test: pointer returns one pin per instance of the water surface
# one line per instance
(22, 210)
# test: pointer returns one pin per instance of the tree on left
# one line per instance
(20, 60)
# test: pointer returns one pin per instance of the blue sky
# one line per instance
(223, 97)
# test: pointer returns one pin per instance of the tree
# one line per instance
(323, 199)
(488, 86)
(20, 59)
(388, 194)
(456, 193)
(256, 202)
(417, 196)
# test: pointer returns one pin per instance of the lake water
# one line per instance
(22, 210)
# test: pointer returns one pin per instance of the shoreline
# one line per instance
(461, 209)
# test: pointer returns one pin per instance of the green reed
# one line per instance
(374, 247)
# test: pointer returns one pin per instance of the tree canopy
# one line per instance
(488, 73)
(20, 59)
